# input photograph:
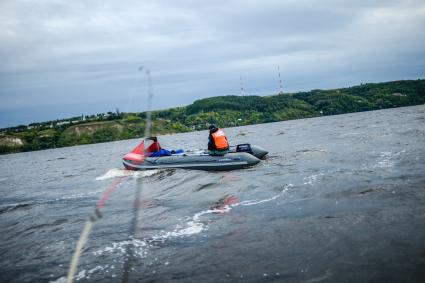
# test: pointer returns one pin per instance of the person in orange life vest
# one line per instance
(217, 141)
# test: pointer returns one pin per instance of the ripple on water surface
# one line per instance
(335, 192)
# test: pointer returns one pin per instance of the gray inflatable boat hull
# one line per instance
(202, 161)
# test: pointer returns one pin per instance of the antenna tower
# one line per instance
(242, 89)
(280, 80)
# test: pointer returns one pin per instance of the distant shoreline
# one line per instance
(225, 111)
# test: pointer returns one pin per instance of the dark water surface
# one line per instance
(339, 199)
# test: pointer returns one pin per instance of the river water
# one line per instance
(339, 199)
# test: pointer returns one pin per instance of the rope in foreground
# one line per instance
(88, 227)
(129, 259)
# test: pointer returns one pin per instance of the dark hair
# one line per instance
(212, 127)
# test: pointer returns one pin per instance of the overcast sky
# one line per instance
(66, 58)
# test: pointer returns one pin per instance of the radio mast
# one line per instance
(280, 80)
(242, 90)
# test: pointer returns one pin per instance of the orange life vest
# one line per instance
(220, 140)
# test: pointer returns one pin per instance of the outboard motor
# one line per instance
(254, 150)
(245, 147)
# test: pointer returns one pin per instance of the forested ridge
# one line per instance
(225, 111)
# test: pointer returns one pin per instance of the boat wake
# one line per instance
(194, 225)
(116, 172)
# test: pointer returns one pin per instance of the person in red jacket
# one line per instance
(151, 145)
(217, 141)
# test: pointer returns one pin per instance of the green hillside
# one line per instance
(225, 111)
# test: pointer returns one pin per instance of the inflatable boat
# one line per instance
(238, 157)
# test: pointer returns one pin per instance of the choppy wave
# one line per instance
(30, 204)
(78, 195)
(86, 273)
(218, 226)
(193, 225)
(387, 159)
(115, 172)
(15, 207)
(312, 179)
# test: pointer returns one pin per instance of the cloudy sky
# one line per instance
(67, 58)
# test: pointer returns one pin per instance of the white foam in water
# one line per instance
(80, 195)
(121, 247)
(312, 179)
(116, 172)
(142, 174)
(82, 274)
(117, 247)
(386, 159)
(59, 280)
(194, 225)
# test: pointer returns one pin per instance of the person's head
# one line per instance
(212, 128)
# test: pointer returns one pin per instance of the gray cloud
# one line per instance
(65, 57)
